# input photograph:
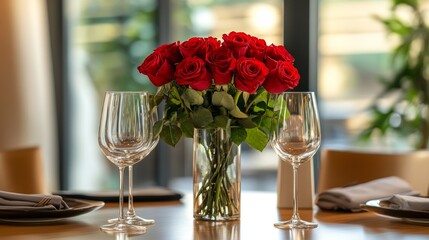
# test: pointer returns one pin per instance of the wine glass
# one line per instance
(124, 135)
(296, 139)
(131, 217)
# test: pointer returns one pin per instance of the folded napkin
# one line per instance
(350, 198)
(406, 202)
(19, 201)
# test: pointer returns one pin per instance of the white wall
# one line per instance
(27, 103)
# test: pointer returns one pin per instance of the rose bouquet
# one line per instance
(207, 83)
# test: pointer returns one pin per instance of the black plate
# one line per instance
(378, 207)
(150, 194)
(77, 207)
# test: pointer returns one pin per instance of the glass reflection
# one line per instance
(204, 230)
(124, 235)
(299, 234)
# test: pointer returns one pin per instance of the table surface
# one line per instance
(258, 213)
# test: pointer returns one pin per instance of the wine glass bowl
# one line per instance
(124, 137)
(124, 127)
(296, 139)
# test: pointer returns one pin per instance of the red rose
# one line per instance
(249, 74)
(170, 52)
(237, 42)
(211, 44)
(257, 48)
(157, 68)
(221, 63)
(191, 71)
(276, 53)
(195, 46)
(281, 78)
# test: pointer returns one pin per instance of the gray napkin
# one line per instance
(350, 198)
(406, 202)
(18, 201)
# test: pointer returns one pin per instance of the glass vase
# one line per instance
(216, 176)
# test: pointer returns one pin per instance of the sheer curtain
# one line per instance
(27, 106)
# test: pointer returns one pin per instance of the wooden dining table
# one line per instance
(174, 221)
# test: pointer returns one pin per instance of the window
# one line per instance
(106, 42)
(107, 39)
(353, 55)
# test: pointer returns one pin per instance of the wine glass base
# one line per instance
(295, 224)
(123, 228)
(139, 221)
(135, 220)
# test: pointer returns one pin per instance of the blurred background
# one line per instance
(59, 56)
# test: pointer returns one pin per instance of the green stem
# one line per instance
(179, 98)
(253, 101)
(237, 96)
(215, 188)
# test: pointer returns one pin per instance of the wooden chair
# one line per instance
(21, 170)
(342, 167)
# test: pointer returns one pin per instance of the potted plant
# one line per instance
(408, 81)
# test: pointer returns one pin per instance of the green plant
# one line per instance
(408, 83)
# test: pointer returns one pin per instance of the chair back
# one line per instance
(21, 170)
(344, 167)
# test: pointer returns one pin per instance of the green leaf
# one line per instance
(171, 112)
(171, 134)
(159, 96)
(182, 114)
(157, 127)
(266, 124)
(174, 96)
(238, 135)
(223, 99)
(395, 25)
(187, 128)
(236, 112)
(221, 121)
(192, 97)
(247, 123)
(202, 117)
(411, 3)
(269, 113)
(256, 138)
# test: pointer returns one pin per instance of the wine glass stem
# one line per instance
(295, 214)
(121, 194)
(131, 211)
